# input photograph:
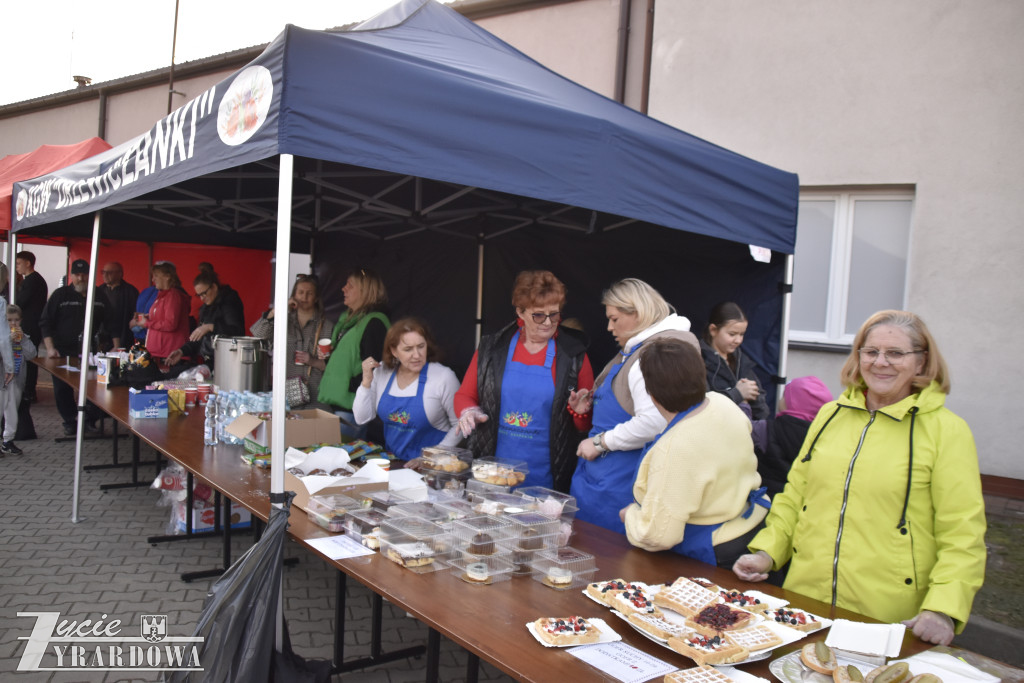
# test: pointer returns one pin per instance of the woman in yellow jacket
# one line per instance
(882, 512)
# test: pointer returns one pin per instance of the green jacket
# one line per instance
(346, 361)
(838, 520)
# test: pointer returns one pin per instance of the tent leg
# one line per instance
(787, 304)
(479, 291)
(83, 375)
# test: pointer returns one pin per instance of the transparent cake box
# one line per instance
(495, 502)
(421, 510)
(531, 524)
(364, 526)
(481, 570)
(416, 544)
(446, 459)
(563, 568)
(445, 481)
(384, 500)
(456, 508)
(329, 511)
(549, 502)
(499, 472)
(483, 535)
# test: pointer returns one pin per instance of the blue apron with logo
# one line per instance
(524, 425)
(604, 485)
(407, 428)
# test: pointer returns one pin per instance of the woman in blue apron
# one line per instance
(410, 394)
(697, 490)
(514, 398)
(624, 418)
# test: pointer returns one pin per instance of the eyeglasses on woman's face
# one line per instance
(202, 294)
(891, 356)
(540, 318)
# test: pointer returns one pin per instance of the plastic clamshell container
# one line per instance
(456, 508)
(495, 502)
(422, 510)
(478, 487)
(439, 480)
(498, 569)
(499, 472)
(465, 529)
(364, 526)
(416, 544)
(563, 568)
(549, 502)
(534, 522)
(446, 459)
(329, 511)
(383, 500)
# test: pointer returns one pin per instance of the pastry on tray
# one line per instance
(411, 554)
(743, 601)
(659, 627)
(718, 618)
(698, 674)
(794, 618)
(604, 591)
(566, 631)
(685, 597)
(632, 601)
(755, 638)
(708, 649)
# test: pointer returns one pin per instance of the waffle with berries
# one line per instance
(698, 674)
(755, 638)
(566, 631)
(659, 627)
(719, 618)
(633, 601)
(705, 649)
(794, 618)
(685, 597)
(743, 601)
(604, 591)
(705, 583)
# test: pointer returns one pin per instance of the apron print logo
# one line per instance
(399, 417)
(517, 419)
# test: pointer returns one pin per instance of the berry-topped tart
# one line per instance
(715, 619)
(743, 601)
(708, 649)
(794, 618)
(633, 600)
(566, 631)
(604, 591)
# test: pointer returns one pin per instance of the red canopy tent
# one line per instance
(45, 159)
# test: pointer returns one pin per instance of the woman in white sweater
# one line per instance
(412, 395)
(697, 491)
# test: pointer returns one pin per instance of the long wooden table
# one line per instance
(489, 621)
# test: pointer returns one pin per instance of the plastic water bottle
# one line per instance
(210, 427)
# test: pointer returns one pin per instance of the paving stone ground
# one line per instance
(104, 565)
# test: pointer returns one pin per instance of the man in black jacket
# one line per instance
(120, 298)
(221, 314)
(31, 298)
(62, 324)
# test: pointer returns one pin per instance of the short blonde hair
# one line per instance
(375, 294)
(636, 296)
(934, 369)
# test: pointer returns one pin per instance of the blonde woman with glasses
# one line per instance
(882, 513)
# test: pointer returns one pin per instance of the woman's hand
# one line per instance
(622, 513)
(753, 567)
(469, 419)
(369, 364)
(932, 627)
(321, 355)
(301, 358)
(748, 389)
(581, 401)
(201, 332)
(174, 357)
(587, 450)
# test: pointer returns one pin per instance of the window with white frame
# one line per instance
(850, 261)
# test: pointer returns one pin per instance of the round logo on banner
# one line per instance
(245, 105)
(19, 209)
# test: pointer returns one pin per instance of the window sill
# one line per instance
(821, 347)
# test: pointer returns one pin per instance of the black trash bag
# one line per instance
(238, 622)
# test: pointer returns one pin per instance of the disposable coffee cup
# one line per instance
(325, 346)
(382, 463)
(202, 393)
(191, 394)
(296, 359)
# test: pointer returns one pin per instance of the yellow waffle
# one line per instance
(685, 597)
(754, 638)
(698, 674)
(659, 627)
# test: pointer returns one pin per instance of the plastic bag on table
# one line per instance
(199, 373)
(239, 619)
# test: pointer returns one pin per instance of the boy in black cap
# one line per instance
(62, 324)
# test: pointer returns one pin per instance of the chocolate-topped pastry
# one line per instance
(340, 472)
(531, 540)
(318, 472)
(296, 472)
(482, 544)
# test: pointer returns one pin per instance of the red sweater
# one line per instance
(168, 322)
(467, 395)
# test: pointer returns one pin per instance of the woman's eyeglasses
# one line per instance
(892, 356)
(203, 293)
(539, 318)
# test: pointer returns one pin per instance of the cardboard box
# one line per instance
(147, 403)
(311, 427)
(203, 518)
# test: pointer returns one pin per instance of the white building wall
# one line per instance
(921, 92)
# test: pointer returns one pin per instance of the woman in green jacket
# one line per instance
(358, 334)
(882, 512)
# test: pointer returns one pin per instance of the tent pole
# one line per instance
(787, 303)
(83, 366)
(281, 293)
(479, 291)
(12, 291)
